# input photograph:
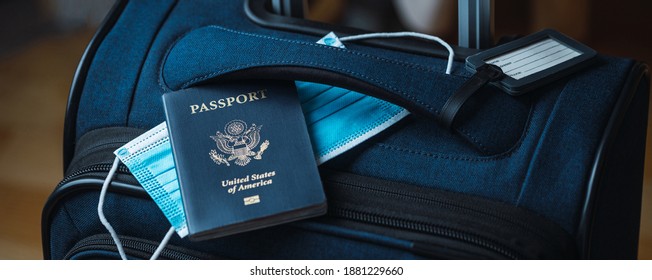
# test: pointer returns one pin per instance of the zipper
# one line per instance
(341, 188)
(399, 210)
(434, 201)
(96, 168)
(337, 212)
(506, 230)
(134, 247)
(421, 226)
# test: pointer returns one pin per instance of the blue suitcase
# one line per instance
(555, 173)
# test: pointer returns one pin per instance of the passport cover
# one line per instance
(243, 157)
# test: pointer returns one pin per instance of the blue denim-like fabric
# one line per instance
(547, 171)
(533, 151)
(113, 76)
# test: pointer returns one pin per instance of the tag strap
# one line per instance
(485, 74)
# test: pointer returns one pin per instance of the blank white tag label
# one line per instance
(534, 58)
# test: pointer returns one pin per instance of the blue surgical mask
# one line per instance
(339, 119)
(149, 158)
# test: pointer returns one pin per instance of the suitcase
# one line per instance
(552, 174)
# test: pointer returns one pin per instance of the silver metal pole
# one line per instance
(475, 23)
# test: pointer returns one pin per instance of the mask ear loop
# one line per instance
(164, 242)
(100, 211)
(107, 225)
(451, 53)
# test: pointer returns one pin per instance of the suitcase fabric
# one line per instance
(555, 173)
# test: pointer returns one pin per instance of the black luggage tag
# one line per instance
(534, 60)
(519, 66)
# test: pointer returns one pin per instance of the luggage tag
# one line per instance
(520, 66)
(533, 61)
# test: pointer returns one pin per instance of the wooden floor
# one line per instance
(34, 85)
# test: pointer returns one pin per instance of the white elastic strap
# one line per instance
(164, 242)
(451, 53)
(100, 211)
(107, 225)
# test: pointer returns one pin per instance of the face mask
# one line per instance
(149, 158)
(340, 119)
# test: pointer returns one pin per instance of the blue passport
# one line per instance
(243, 157)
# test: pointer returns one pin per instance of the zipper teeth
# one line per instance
(447, 204)
(346, 213)
(421, 227)
(102, 167)
(128, 244)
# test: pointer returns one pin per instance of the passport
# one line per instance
(243, 157)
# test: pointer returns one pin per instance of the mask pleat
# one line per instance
(350, 122)
(308, 91)
(322, 99)
(332, 108)
(153, 166)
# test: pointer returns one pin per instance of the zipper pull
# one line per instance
(484, 74)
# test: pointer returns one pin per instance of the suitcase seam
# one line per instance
(497, 157)
(145, 59)
(392, 61)
(72, 221)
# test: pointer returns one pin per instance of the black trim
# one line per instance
(322, 76)
(259, 12)
(631, 85)
(135, 248)
(77, 87)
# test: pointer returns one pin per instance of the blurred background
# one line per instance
(41, 42)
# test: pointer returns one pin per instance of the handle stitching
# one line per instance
(396, 62)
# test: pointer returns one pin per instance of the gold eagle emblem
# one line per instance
(238, 142)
